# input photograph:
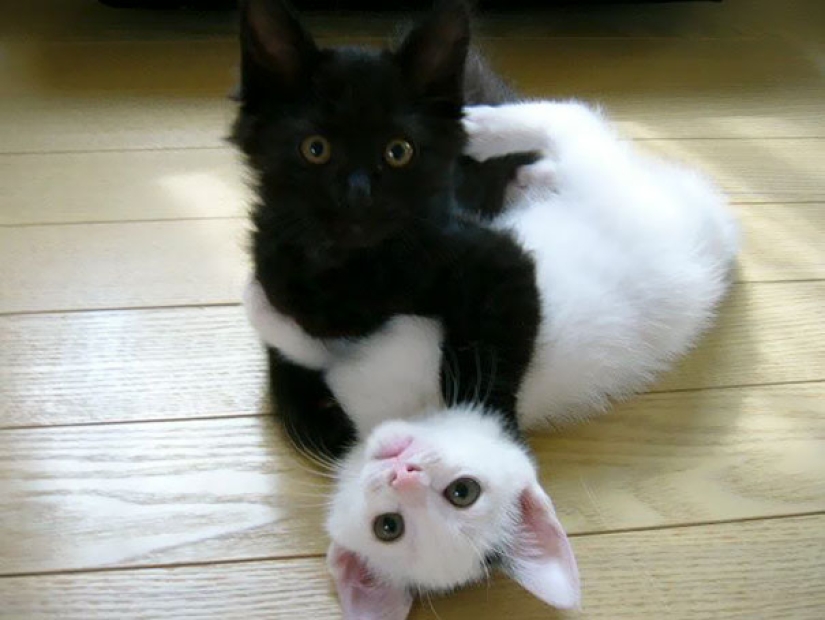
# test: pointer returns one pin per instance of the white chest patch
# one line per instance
(394, 373)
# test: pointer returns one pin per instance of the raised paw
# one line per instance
(484, 126)
(502, 130)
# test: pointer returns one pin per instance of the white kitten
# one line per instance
(632, 257)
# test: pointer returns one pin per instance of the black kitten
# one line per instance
(357, 155)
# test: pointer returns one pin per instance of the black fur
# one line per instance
(343, 246)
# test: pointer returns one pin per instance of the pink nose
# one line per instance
(405, 476)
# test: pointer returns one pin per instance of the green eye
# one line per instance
(398, 153)
(463, 492)
(316, 149)
(388, 527)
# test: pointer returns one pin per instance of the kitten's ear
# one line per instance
(362, 596)
(543, 561)
(276, 51)
(433, 55)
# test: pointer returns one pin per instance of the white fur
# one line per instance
(390, 371)
(282, 332)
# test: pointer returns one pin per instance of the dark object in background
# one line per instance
(371, 5)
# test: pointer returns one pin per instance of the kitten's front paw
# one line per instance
(281, 332)
(255, 302)
(485, 126)
(502, 130)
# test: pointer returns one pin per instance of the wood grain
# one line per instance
(122, 265)
(744, 571)
(758, 340)
(751, 170)
(81, 368)
(202, 362)
(207, 490)
(129, 186)
(687, 457)
(138, 494)
(782, 242)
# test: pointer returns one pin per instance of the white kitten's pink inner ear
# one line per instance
(542, 561)
(362, 596)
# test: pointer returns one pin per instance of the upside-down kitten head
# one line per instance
(350, 145)
(431, 504)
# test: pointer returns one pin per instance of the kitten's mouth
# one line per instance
(359, 233)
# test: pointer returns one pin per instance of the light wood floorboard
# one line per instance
(742, 571)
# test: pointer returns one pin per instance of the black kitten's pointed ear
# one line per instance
(434, 54)
(276, 51)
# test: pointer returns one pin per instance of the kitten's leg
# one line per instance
(491, 314)
(501, 130)
(306, 408)
(539, 126)
(282, 332)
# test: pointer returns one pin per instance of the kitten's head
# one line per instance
(351, 146)
(431, 504)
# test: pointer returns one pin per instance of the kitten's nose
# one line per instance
(405, 476)
(359, 189)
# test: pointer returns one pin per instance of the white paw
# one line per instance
(280, 331)
(255, 302)
(498, 131)
(484, 126)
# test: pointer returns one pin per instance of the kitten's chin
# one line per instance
(361, 235)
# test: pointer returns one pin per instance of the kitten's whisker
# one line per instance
(477, 391)
(305, 454)
(312, 495)
(432, 608)
(492, 381)
(311, 505)
(451, 387)
(314, 472)
(308, 453)
(457, 379)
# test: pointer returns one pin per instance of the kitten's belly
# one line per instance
(394, 373)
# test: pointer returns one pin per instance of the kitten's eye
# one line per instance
(388, 527)
(399, 153)
(463, 492)
(316, 149)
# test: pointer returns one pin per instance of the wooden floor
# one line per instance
(140, 476)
